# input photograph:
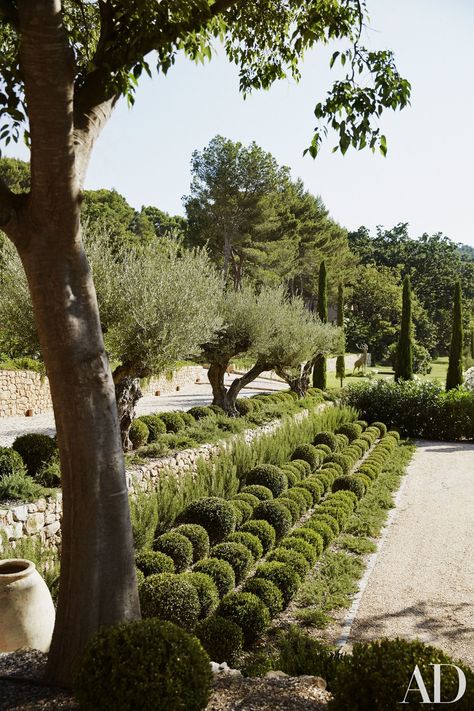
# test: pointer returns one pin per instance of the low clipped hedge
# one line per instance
(222, 639)
(153, 562)
(170, 597)
(177, 547)
(269, 476)
(237, 555)
(144, 664)
(248, 612)
(220, 571)
(216, 515)
(199, 412)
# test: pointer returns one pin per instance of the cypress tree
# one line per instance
(319, 372)
(340, 360)
(472, 342)
(454, 376)
(404, 357)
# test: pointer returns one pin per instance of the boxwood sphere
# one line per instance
(220, 571)
(291, 477)
(248, 498)
(199, 412)
(309, 535)
(178, 547)
(262, 493)
(349, 497)
(338, 512)
(246, 510)
(298, 498)
(197, 536)
(303, 467)
(153, 562)
(247, 611)
(364, 480)
(351, 430)
(140, 576)
(284, 577)
(268, 475)
(349, 483)
(321, 527)
(275, 514)
(206, 589)
(237, 555)
(238, 514)
(268, 593)
(155, 425)
(171, 598)
(10, 462)
(329, 520)
(144, 664)
(214, 514)
(222, 639)
(323, 448)
(292, 507)
(295, 560)
(264, 532)
(340, 459)
(382, 428)
(304, 493)
(35, 449)
(298, 544)
(327, 438)
(308, 453)
(314, 486)
(138, 433)
(342, 441)
(173, 421)
(250, 541)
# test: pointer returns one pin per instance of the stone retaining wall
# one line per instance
(23, 392)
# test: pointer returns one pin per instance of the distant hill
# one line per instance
(466, 251)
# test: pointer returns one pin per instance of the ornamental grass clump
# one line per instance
(214, 514)
(222, 639)
(248, 612)
(177, 547)
(269, 476)
(144, 664)
(237, 555)
(170, 597)
(220, 571)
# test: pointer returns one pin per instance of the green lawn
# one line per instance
(438, 372)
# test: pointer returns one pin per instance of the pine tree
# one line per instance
(319, 371)
(454, 376)
(340, 360)
(404, 357)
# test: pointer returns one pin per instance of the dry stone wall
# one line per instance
(23, 392)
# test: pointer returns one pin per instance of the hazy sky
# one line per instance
(426, 179)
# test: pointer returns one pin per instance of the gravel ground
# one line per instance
(421, 585)
(197, 394)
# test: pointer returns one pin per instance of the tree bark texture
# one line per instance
(226, 397)
(300, 384)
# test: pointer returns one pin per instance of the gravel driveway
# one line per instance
(423, 580)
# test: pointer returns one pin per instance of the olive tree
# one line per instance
(63, 67)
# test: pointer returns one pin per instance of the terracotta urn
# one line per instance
(26, 607)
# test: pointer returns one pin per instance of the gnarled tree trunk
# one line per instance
(226, 397)
(300, 383)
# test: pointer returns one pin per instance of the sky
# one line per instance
(425, 180)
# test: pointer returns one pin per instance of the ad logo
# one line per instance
(420, 687)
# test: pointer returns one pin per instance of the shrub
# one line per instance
(10, 462)
(321, 527)
(284, 577)
(381, 428)
(216, 515)
(153, 562)
(220, 571)
(395, 434)
(311, 536)
(364, 480)
(324, 448)
(177, 547)
(206, 589)
(155, 425)
(326, 478)
(49, 473)
(298, 498)
(173, 421)
(370, 470)
(327, 438)
(362, 423)
(269, 476)
(250, 541)
(340, 459)
(244, 509)
(199, 412)
(35, 450)
(276, 515)
(351, 430)
(336, 511)
(145, 664)
(262, 493)
(308, 453)
(237, 555)
(198, 537)
(378, 674)
(244, 406)
(222, 639)
(247, 611)
(303, 467)
(342, 441)
(248, 498)
(301, 654)
(170, 597)
(349, 497)
(292, 507)
(139, 576)
(304, 494)
(290, 557)
(264, 532)
(298, 544)
(268, 593)
(314, 486)
(362, 444)
(19, 487)
(328, 519)
(138, 434)
(291, 477)
(349, 483)
(332, 467)
(216, 409)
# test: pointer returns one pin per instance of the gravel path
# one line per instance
(423, 580)
(196, 394)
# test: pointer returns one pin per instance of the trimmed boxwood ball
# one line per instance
(298, 498)
(197, 536)
(155, 425)
(349, 483)
(178, 547)
(351, 430)
(10, 462)
(332, 468)
(395, 434)
(144, 664)
(247, 611)
(321, 527)
(139, 576)
(284, 577)
(339, 513)
(340, 459)
(172, 421)
(152, 562)
(314, 486)
(308, 453)
(292, 507)
(292, 558)
(248, 498)
(170, 597)
(249, 540)
(362, 423)
(309, 535)
(268, 593)
(364, 480)
(342, 441)
(268, 475)
(377, 675)
(304, 493)
(199, 412)
(243, 511)
(323, 448)
(328, 439)
(262, 493)
(264, 532)
(361, 443)
(348, 496)
(276, 515)
(381, 427)
(329, 520)
(303, 467)
(35, 449)
(206, 589)
(326, 478)
(220, 571)
(237, 555)
(298, 544)
(292, 467)
(214, 514)
(138, 433)
(189, 420)
(291, 477)
(222, 639)
(367, 437)
(369, 470)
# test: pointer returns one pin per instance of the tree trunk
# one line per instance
(97, 585)
(300, 384)
(239, 383)
(216, 375)
(127, 393)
